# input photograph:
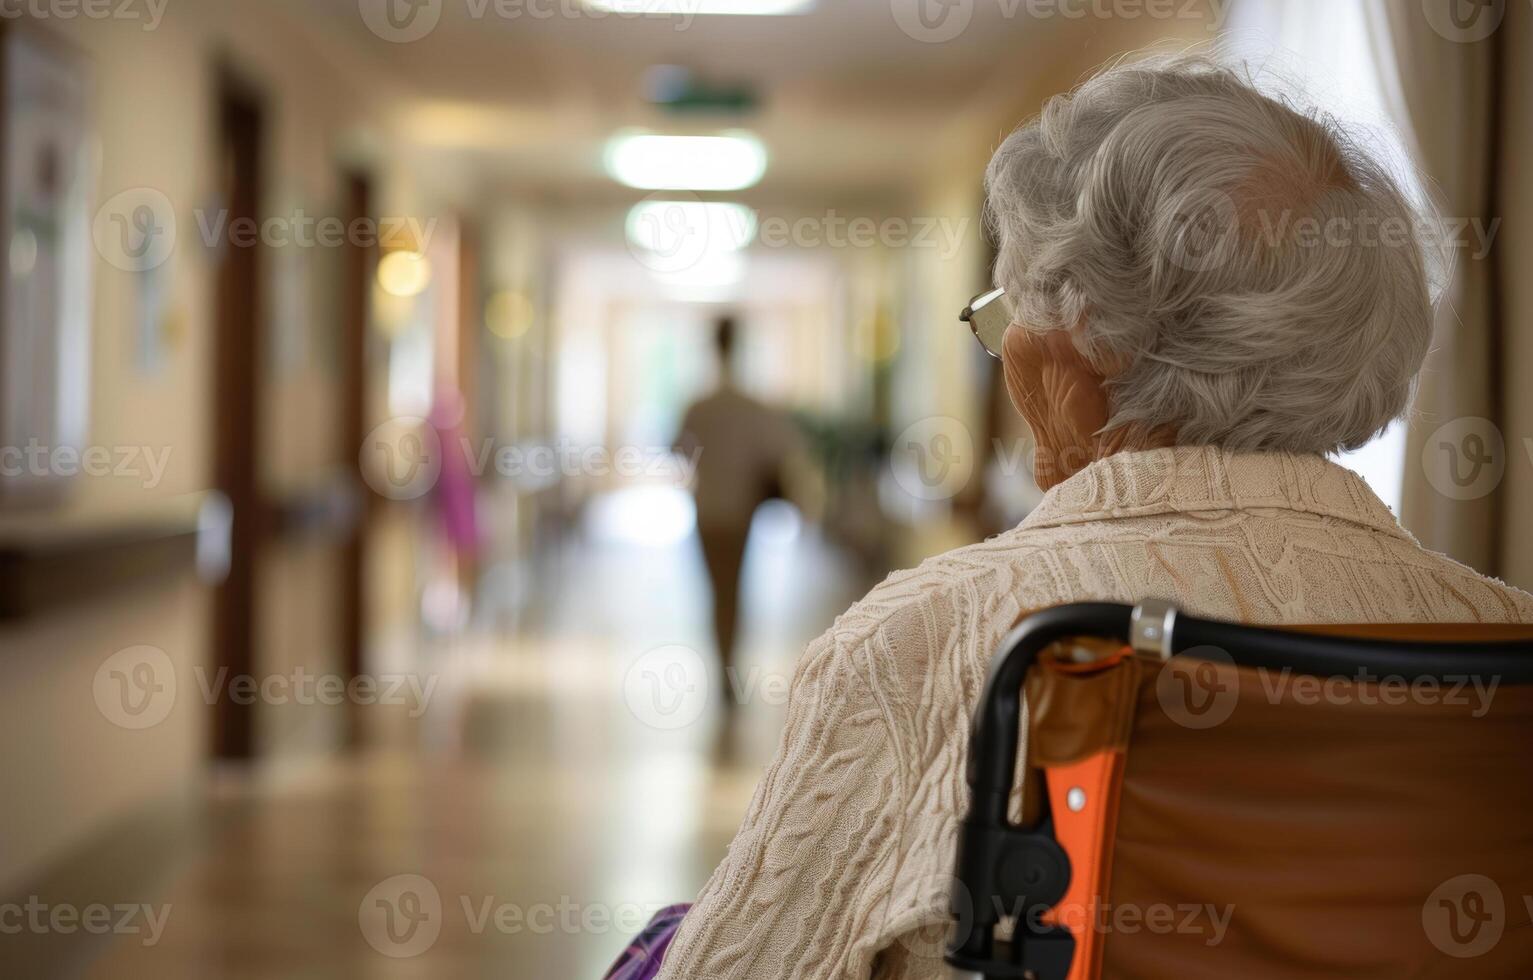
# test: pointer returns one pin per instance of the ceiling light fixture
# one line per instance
(652, 161)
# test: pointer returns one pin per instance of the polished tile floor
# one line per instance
(572, 775)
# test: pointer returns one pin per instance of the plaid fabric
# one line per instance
(641, 960)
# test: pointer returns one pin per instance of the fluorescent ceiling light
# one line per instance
(685, 8)
(676, 233)
(698, 163)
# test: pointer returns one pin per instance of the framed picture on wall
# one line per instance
(45, 277)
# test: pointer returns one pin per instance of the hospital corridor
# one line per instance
(444, 443)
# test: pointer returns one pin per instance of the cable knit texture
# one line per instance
(841, 868)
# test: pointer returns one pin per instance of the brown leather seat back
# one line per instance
(1275, 825)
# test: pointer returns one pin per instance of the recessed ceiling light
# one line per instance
(697, 163)
(662, 8)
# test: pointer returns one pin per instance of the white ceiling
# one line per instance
(851, 104)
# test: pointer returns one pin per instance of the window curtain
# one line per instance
(1442, 64)
(1458, 109)
(1514, 251)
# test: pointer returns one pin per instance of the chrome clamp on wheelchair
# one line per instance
(1170, 835)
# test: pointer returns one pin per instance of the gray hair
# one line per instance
(1241, 270)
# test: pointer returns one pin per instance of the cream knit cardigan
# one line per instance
(841, 867)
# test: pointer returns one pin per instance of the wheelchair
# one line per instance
(1210, 799)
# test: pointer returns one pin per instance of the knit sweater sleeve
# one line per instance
(840, 870)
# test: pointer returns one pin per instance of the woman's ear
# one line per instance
(1060, 394)
(1049, 378)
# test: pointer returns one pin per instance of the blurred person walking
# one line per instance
(741, 446)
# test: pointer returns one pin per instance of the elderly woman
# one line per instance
(1206, 300)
